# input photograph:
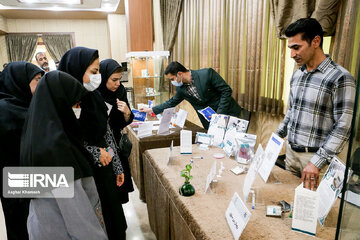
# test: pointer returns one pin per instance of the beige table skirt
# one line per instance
(140, 145)
(202, 216)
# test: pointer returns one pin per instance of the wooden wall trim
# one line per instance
(140, 25)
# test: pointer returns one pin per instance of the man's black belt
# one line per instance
(303, 149)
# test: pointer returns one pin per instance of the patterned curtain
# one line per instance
(170, 11)
(286, 12)
(57, 45)
(21, 47)
(345, 47)
(237, 38)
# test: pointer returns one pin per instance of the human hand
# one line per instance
(105, 157)
(123, 107)
(310, 176)
(146, 109)
(120, 179)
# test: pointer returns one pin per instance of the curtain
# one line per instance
(170, 11)
(286, 12)
(57, 44)
(237, 38)
(345, 49)
(21, 47)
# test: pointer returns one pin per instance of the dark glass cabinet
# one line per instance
(349, 214)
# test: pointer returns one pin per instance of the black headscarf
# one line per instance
(93, 117)
(52, 135)
(15, 80)
(15, 97)
(117, 120)
(107, 68)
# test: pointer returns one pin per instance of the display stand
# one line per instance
(146, 74)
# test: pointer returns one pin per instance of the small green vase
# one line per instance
(187, 189)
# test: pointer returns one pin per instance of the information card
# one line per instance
(305, 210)
(181, 118)
(185, 142)
(165, 121)
(145, 129)
(251, 175)
(272, 151)
(170, 152)
(330, 188)
(210, 176)
(237, 216)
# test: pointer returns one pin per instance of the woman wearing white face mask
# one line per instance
(83, 64)
(92, 77)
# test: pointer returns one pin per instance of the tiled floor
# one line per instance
(137, 219)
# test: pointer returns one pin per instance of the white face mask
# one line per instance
(95, 81)
(176, 83)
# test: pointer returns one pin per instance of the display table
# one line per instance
(140, 145)
(202, 216)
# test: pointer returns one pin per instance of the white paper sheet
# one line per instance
(181, 118)
(145, 129)
(157, 122)
(210, 176)
(185, 142)
(305, 211)
(165, 121)
(272, 151)
(237, 216)
(330, 188)
(238, 170)
(218, 127)
(170, 152)
(251, 175)
(352, 197)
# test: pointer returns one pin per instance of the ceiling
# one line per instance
(70, 9)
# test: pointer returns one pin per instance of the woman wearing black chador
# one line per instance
(82, 63)
(114, 93)
(52, 137)
(18, 81)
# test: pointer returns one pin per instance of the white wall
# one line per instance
(88, 33)
(158, 32)
(3, 52)
(3, 24)
(118, 40)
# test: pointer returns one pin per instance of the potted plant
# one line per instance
(187, 189)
